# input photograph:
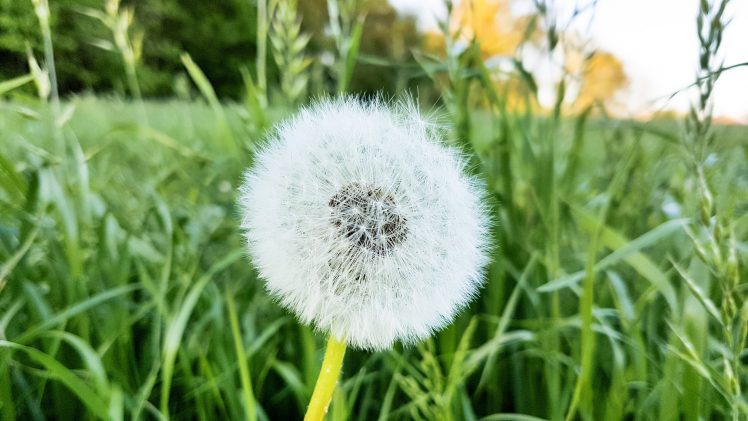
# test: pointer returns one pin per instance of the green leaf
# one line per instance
(93, 401)
(14, 83)
(625, 250)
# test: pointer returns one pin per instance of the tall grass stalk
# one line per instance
(263, 20)
(289, 45)
(713, 240)
(125, 293)
(119, 22)
(41, 9)
(346, 27)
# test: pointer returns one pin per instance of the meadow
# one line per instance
(616, 290)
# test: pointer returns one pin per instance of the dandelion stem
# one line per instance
(328, 377)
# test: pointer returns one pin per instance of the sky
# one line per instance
(657, 44)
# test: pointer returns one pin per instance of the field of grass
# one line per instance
(617, 288)
(125, 290)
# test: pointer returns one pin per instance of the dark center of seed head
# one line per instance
(368, 217)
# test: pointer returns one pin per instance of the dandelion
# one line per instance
(365, 226)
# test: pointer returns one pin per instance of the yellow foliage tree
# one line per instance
(499, 32)
(602, 76)
(490, 23)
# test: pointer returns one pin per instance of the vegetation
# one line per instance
(85, 39)
(618, 286)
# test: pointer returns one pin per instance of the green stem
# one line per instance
(328, 378)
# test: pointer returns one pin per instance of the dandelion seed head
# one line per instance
(368, 217)
(364, 224)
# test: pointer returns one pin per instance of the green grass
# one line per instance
(617, 288)
(125, 291)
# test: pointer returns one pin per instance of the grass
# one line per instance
(126, 290)
(617, 288)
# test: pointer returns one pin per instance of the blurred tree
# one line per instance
(389, 37)
(602, 77)
(491, 24)
(499, 32)
(219, 35)
(17, 30)
(79, 65)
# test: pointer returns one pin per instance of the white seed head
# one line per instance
(363, 224)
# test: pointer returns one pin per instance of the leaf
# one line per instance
(625, 250)
(95, 403)
(511, 417)
(206, 89)
(506, 316)
(90, 359)
(78, 308)
(177, 325)
(351, 54)
(242, 357)
(14, 83)
(292, 379)
(696, 291)
(14, 259)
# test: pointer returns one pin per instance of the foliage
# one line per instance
(386, 50)
(79, 65)
(501, 34)
(617, 289)
(491, 24)
(602, 77)
(288, 44)
(113, 245)
(171, 27)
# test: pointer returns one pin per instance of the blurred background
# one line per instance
(611, 137)
(630, 57)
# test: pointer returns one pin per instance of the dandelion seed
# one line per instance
(363, 224)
